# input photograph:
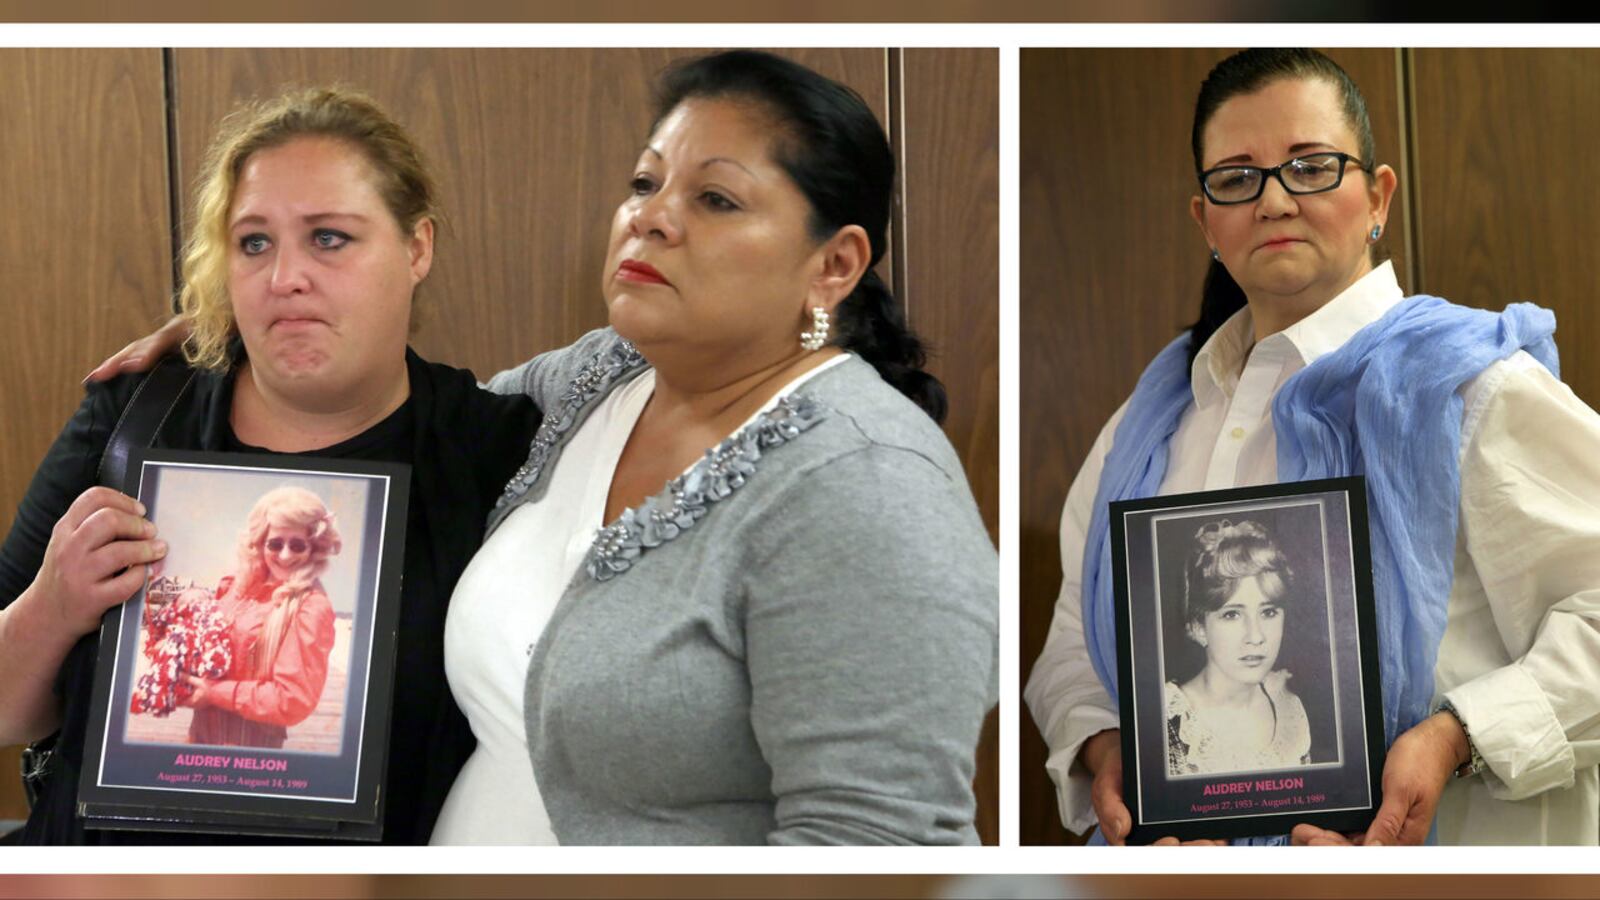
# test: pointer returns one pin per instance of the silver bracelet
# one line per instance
(1474, 764)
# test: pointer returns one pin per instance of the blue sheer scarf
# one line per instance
(1384, 405)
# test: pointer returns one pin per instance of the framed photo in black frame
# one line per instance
(1247, 661)
(247, 687)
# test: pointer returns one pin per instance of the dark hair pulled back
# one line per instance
(835, 151)
(1242, 73)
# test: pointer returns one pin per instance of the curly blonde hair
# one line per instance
(285, 507)
(399, 170)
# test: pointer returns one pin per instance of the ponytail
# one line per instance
(872, 325)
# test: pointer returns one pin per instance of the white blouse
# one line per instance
(502, 605)
(1520, 656)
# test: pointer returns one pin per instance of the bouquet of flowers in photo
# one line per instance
(187, 637)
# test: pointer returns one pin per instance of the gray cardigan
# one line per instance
(794, 643)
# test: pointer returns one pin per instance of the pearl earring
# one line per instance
(1376, 230)
(1215, 255)
(818, 335)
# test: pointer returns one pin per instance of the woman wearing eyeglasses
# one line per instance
(280, 622)
(1308, 361)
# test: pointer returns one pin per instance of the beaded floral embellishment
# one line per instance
(617, 358)
(724, 469)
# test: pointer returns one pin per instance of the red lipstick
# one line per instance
(642, 272)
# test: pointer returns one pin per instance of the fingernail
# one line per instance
(160, 546)
(1374, 843)
(138, 507)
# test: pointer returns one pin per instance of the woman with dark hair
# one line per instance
(1238, 713)
(740, 592)
(1307, 362)
(789, 637)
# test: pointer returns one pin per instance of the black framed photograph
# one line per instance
(1247, 661)
(246, 688)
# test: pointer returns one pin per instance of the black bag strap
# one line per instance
(152, 402)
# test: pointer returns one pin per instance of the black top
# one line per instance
(462, 443)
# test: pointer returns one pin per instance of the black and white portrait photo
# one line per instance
(1248, 680)
(1245, 627)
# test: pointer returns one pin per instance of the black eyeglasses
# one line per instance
(1309, 174)
(296, 545)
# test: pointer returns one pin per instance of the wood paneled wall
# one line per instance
(1506, 184)
(84, 259)
(85, 262)
(1496, 146)
(532, 149)
(949, 203)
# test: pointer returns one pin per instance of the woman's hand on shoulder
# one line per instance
(95, 560)
(142, 354)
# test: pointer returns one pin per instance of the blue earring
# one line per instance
(1215, 255)
(1376, 230)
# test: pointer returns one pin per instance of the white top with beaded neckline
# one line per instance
(502, 605)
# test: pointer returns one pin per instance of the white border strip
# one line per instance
(1012, 711)
(778, 860)
(1003, 35)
